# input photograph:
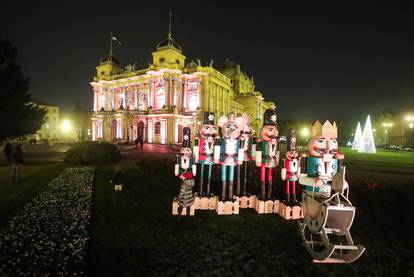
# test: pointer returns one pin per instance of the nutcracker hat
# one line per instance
(209, 118)
(325, 130)
(186, 137)
(270, 117)
(291, 140)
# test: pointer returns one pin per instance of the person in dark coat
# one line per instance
(16, 159)
(136, 141)
(8, 148)
(118, 178)
(141, 141)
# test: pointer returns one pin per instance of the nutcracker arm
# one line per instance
(298, 170)
(283, 174)
(217, 149)
(258, 158)
(253, 151)
(277, 157)
(240, 153)
(176, 169)
(196, 153)
(194, 169)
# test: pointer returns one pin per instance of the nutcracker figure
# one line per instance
(290, 172)
(248, 143)
(203, 150)
(267, 153)
(229, 152)
(185, 170)
(325, 203)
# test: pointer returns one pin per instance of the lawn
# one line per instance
(35, 177)
(134, 234)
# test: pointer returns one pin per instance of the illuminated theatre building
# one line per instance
(158, 101)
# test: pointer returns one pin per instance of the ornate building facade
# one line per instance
(158, 101)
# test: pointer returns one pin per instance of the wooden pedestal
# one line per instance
(201, 203)
(288, 212)
(212, 203)
(247, 201)
(264, 207)
(175, 208)
(227, 207)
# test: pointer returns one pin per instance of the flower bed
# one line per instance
(48, 236)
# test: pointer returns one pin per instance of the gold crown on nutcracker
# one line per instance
(325, 130)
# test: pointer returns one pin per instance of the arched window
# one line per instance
(157, 128)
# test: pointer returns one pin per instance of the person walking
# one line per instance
(141, 141)
(118, 178)
(8, 148)
(17, 163)
(136, 141)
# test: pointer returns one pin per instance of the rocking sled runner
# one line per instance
(325, 229)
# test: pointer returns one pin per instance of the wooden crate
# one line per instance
(276, 206)
(204, 203)
(264, 207)
(252, 201)
(244, 202)
(288, 212)
(175, 208)
(227, 207)
(212, 203)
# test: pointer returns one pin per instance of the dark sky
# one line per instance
(326, 61)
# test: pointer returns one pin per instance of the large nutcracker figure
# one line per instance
(290, 172)
(185, 170)
(228, 152)
(248, 143)
(328, 213)
(267, 153)
(203, 150)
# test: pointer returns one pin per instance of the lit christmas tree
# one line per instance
(357, 137)
(367, 144)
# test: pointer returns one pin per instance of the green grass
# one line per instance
(384, 167)
(134, 234)
(34, 180)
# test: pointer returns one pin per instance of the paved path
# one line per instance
(38, 154)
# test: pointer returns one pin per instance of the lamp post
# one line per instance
(386, 126)
(410, 121)
(304, 132)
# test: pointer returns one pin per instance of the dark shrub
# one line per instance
(92, 153)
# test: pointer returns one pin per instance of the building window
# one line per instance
(162, 60)
(177, 61)
(157, 128)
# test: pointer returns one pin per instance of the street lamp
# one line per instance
(410, 120)
(386, 126)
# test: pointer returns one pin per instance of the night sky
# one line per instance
(316, 61)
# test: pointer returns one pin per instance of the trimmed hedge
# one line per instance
(85, 153)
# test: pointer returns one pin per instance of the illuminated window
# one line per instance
(157, 128)
(193, 101)
(160, 98)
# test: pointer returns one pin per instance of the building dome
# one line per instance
(110, 59)
(228, 68)
(169, 42)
